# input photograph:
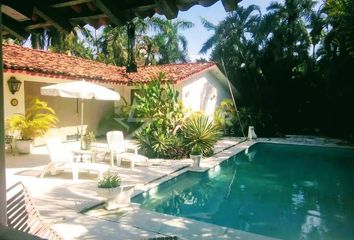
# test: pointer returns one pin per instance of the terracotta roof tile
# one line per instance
(44, 63)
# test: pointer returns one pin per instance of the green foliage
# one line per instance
(237, 123)
(172, 45)
(196, 150)
(38, 119)
(166, 133)
(109, 181)
(87, 139)
(199, 130)
(262, 122)
(157, 104)
(341, 15)
(289, 66)
(225, 114)
(165, 45)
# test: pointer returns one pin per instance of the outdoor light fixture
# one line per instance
(14, 84)
(131, 67)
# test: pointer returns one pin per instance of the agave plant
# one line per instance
(109, 181)
(201, 131)
(37, 120)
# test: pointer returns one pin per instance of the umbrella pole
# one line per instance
(82, 122)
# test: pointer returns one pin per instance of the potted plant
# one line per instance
(116, 195)
(36, 121)
(196, 155)
(87, 139)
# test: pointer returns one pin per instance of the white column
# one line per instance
(2, 138)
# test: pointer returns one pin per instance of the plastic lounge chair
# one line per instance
(62, 159)
(118, 147)
(23, 215)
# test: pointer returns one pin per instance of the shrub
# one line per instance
(196, 150)
(235, 123)
(200, 130)
(37, 120)
(225, 114)
(109, 181)
(157, 103)
(87, 139)
(262, 122)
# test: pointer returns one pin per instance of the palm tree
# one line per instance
(147, 50)
(56, 41)
(316, 26)
(287, 23)
(113, 46)
(340, 16)
(69, 44)
(172, 45)
(235, 41)
(239, 23)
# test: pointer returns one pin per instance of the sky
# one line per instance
(197, 35)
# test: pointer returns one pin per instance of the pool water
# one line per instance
(283, 191)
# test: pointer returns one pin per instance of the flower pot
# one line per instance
(85, 145)
(196, 160)
(116, 197)
(24, 146)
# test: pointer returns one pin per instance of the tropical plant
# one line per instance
(109, 181)
(196, 150)
(70, 43)
(201, 131)
(56, 41)
(235, 41)
(87, 139)
(341, 15)
(158, 106)
(158, 101)
(112, 45)
(225, 114)
(171, 44)
(36, 121)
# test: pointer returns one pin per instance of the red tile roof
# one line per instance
(57, 65)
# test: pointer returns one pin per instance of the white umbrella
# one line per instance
(81, 90)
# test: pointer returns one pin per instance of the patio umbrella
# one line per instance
(80, 90)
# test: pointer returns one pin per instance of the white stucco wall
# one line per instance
(203, 93)
(65, 107)
(20, 96)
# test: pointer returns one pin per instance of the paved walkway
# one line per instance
(60, 199)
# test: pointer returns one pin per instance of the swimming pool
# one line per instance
(277, 190)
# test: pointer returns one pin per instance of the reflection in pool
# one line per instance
(284, 191)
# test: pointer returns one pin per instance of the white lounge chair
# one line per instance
(119, 148)
(62, 159)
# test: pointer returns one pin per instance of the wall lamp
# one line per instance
(14, 84)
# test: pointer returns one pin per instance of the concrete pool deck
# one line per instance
(60, 200)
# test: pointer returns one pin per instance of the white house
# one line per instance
(202, 86)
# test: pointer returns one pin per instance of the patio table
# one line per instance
(92, 153)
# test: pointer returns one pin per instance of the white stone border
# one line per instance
(216, 160)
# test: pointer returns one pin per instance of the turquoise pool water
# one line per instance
(283, 191)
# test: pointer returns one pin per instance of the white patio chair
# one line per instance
(119, 148)
(62, 159)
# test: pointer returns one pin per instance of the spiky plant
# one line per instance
(201, 131)
(109, 181)
(37, 120)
